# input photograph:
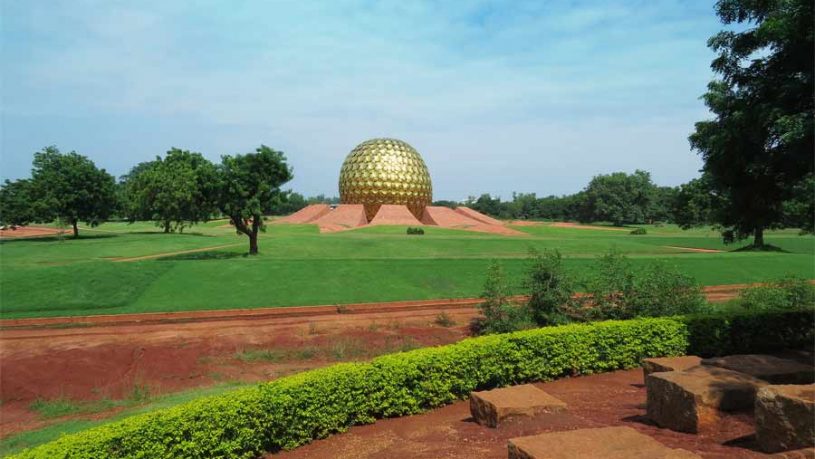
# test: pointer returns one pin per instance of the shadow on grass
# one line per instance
(760, 248)
(196, 256)
(56, 238)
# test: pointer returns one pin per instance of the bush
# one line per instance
(638, 231)
(294, 410)
(500, 314)
(550, 289)
(785, 293)
(619, 292)
(415, 231)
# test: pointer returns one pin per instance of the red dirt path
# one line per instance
(610, 399)
(29, 231)
(93, 357)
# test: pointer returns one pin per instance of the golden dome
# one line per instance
(385, 171)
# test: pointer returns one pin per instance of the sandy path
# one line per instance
(694, 249)
(30, 231)
(168, 254)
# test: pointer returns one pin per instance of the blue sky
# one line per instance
(534, 96)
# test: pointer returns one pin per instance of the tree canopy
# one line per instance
(619, 198)
(174, 191)
(71, 188)
(247, 185)
(759, 146)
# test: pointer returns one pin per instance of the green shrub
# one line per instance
(786, 293)
(551, 291)
(639, 231)
(415, 231)
(294, 410)
(658, 289)
(500, 315)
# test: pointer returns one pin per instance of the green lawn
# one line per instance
(300, 266)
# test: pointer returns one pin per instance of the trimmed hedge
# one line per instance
(294, 410)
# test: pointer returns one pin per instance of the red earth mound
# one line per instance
(343, 217)
(306, 214)
(390, 214)
(475, 215)
(449, 218)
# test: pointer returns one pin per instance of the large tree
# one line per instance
(248, 184)
(618, 198)
(71, 188)
(174, 191)
(759, 146)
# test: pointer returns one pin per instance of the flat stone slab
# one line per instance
(690, 400)
(769, 368)
(785, 417)
(489, 408)
(661, 364)
(603, 442)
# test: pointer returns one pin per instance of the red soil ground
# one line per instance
(306, 214)
(29, 231)
(610, 399)
(475, 215)
(96, 357)
(389, 214)
(343, 217)
(449, 218)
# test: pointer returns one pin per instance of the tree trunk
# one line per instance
(253, 234)
(758, 237)
(166, 227)
(76, 228)
(253, 244)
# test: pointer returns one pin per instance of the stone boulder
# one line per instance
(769, 368)
(691, 400)
(603, 442)
(489, 408)
(785, 417)
(661, 364)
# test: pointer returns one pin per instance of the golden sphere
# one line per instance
(385, 171)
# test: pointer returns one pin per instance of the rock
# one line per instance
(490, 407)
(772, 369)
(658, 365)
(805, 453)
(603, 442)
(785, 417)
(690, 400)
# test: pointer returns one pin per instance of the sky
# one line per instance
(497, 96)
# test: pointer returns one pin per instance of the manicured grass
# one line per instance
(300, 266)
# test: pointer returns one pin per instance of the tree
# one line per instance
(175, 191)
(247, 183)
(799, 211)
(619, 198)
(759, 145)
(551, 290)
(70, 187)
(17, 206)
(695, 204)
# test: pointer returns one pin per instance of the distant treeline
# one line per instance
(625, 199)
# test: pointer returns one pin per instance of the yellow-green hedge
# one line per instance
(294, 410)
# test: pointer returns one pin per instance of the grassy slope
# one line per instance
(299, 266)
